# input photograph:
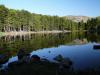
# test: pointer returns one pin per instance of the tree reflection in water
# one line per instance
(32, 42)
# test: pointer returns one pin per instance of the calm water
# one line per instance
(76, 46)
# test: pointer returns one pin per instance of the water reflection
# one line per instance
(83, 56)
(35, 41)
(76, 46)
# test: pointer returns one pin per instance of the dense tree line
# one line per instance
(93, 24)
(22, 20)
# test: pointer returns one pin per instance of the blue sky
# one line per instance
(57, 7)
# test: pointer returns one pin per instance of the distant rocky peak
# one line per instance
(78, 18)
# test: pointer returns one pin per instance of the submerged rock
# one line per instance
(35, 58)
(64, 63)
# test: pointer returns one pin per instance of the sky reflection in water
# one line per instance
(69, 45)
(83, 56)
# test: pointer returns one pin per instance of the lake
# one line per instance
(76, 46)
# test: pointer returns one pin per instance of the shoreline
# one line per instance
(31, 32)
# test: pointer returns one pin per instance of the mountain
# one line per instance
(78, 18)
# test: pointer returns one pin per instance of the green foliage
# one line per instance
(3, 15)
(93, 24)
(22, 20)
